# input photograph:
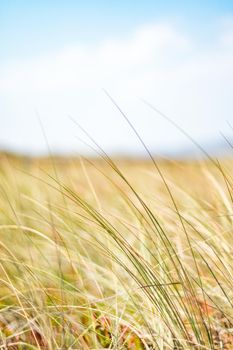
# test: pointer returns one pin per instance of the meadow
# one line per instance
(116, 253)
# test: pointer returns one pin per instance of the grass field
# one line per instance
(122, 255)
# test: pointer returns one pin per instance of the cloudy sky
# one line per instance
(58, 56)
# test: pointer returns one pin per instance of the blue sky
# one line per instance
(34, 27)
(56, 56)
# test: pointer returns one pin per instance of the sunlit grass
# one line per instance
(101, 254)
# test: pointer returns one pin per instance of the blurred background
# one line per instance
(58, 56)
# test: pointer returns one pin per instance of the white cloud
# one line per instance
(157, 62)
(79, 65)
(226, 32)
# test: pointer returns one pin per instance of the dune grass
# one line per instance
(115, 254)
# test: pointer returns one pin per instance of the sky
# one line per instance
(58, 57)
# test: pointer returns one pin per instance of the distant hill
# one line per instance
(220, 148)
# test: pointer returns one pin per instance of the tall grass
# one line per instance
(115, 254)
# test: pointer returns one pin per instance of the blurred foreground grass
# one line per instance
(96, 254)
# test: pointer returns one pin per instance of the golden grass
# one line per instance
(95, 255)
